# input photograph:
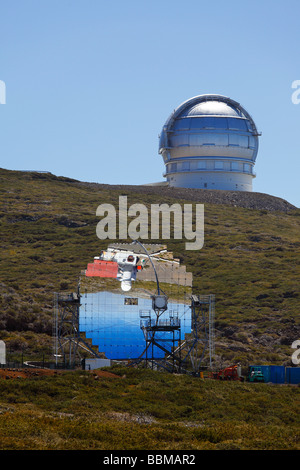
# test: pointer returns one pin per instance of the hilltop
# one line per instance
(250, 260)
(248, 200)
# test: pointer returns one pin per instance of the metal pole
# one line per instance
(146, 251)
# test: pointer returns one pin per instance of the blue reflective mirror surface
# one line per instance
(112, 320)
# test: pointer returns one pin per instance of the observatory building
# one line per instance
(209, 142)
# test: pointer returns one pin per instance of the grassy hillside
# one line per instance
(146, 410)
(250, 261)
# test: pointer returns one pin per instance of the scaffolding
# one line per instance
(202, 337)
(161, 333)
(198, 347)
(66, 336)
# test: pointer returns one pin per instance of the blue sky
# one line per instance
(89, 84)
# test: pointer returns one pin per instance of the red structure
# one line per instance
(101, 268)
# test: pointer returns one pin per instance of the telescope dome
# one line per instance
(209, 142)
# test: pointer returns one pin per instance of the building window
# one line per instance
(173, 167)
(237, 124)
(182, 124)
(243, 141)
(251, 142)
(186, 166)
(219, 165)
(234, 166)
(201, 165)
(131, 301)
(233, 140)
(247, 168)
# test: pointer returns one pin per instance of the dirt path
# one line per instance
(28, 373)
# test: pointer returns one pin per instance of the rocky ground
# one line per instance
(248, 200)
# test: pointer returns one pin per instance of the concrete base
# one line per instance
(229, 181)
(96, 363)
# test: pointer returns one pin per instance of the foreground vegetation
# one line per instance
(146, 410)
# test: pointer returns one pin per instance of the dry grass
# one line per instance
(146, 410)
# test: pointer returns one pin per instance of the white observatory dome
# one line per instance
(210, 142)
